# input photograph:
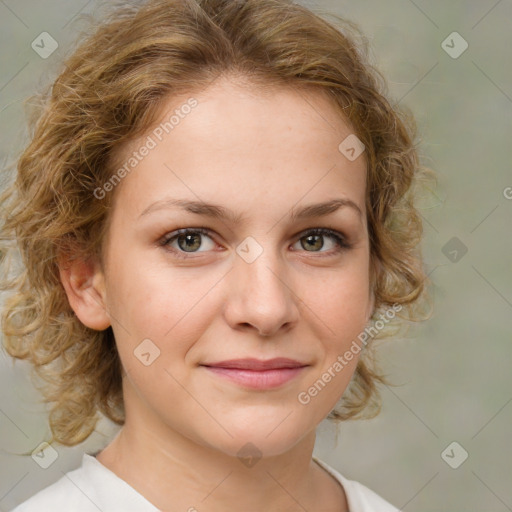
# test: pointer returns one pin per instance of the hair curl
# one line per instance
(110, 92)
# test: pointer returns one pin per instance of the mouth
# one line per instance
(256, 373)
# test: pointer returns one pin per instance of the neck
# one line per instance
(174, 472)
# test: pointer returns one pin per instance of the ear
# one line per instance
(84, 284)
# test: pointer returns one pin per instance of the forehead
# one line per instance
(235, 106)
(245, 144)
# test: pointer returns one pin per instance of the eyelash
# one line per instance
(338, 237)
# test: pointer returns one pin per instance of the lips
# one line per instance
(257, 364)
(256, 374)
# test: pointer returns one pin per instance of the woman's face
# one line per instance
(250, 170)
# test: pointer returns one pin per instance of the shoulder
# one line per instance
(90, 488)
(59, 496)
(359, 497)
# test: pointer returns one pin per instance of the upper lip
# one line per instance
(258, 364)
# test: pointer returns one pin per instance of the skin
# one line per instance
(261, 154)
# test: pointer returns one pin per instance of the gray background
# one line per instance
(454, 370)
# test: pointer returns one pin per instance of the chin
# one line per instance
(260, 436)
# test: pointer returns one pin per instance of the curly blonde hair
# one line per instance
(110, 92)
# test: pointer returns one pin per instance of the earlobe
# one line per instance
(84, 284)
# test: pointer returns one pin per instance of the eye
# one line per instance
(314, 239)
(187, 241)
(190, 240)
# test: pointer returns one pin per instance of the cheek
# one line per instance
(342, 309)
(170, 308)
(342, 303)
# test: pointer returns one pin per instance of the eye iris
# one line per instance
(189, 241)
(314, 245)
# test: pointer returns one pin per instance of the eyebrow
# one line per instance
(220, 212)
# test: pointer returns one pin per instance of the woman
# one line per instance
(215, 204)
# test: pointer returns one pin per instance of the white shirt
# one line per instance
(93, 488)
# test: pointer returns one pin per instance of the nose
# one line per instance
(260, 297)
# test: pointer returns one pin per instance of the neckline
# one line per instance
(101, 476)
(91, 459)
(340, 479)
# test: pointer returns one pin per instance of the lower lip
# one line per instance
(261, 379)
